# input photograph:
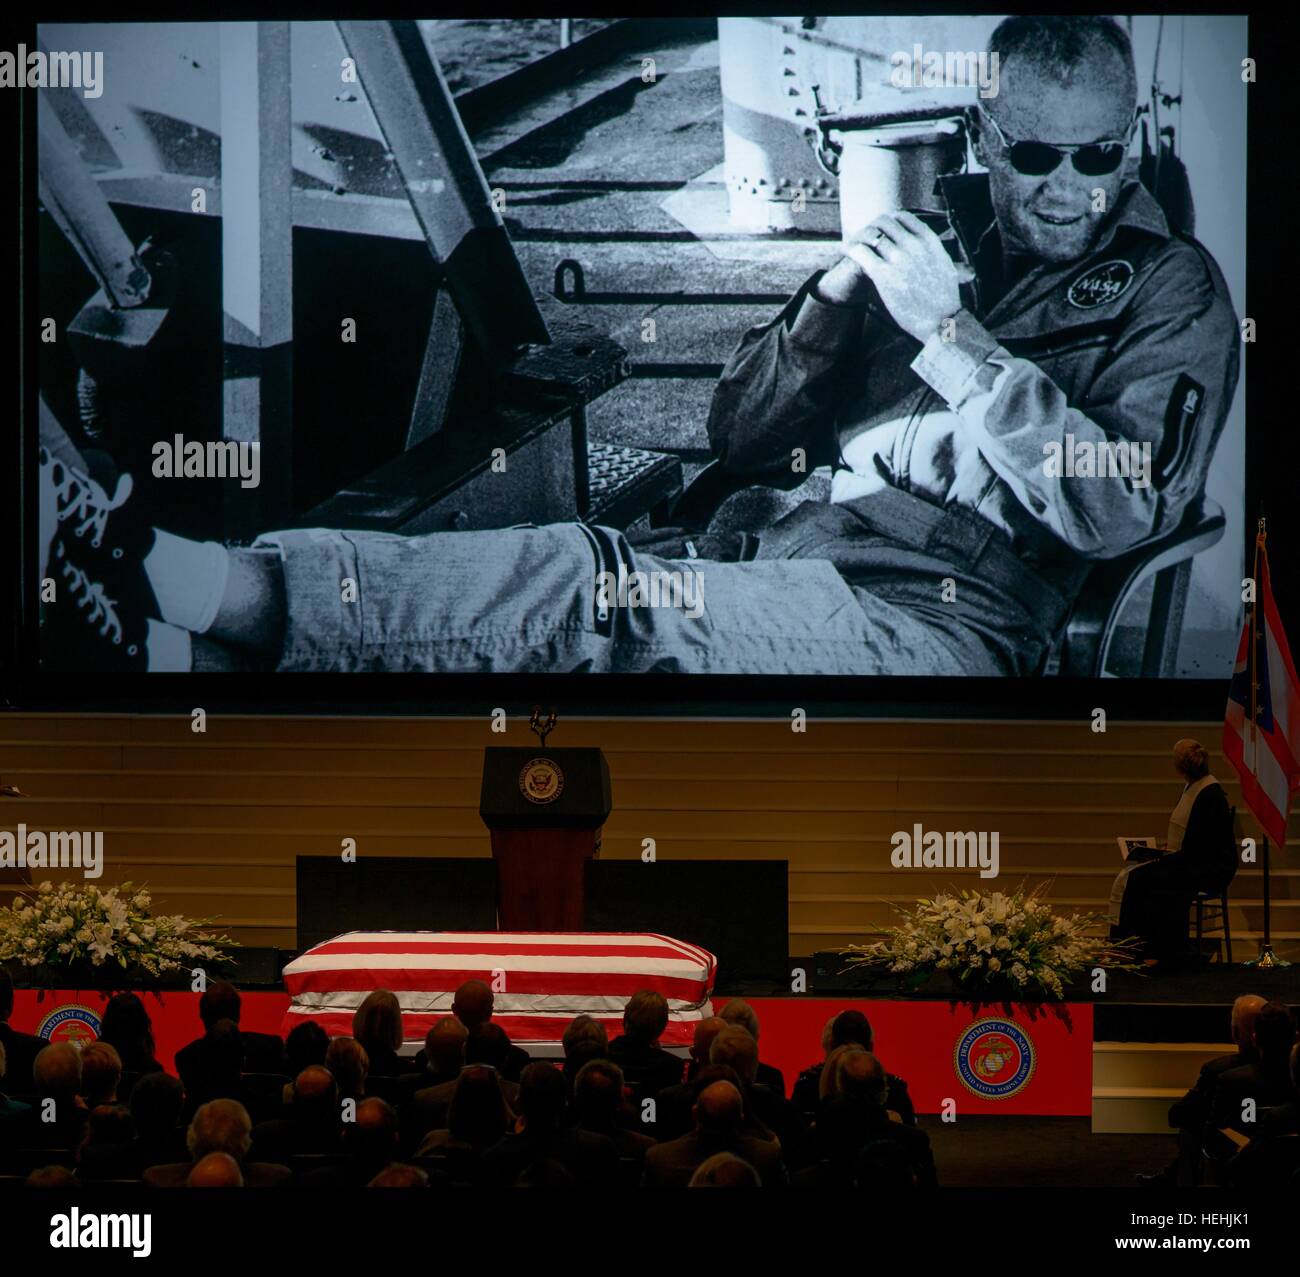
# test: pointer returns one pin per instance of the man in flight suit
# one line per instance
(951, 374)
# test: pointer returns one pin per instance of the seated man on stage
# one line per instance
(943, 374)
(1150, 899)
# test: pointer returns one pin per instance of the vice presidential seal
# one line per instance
(1100, 285)
(994, 1059)
(541, 780)
(70, 1022)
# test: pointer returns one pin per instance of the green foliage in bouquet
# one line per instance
(109, 934)
(1011, 944)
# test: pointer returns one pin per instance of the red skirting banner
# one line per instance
(1036, 1061)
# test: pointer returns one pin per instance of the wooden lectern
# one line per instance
(545, 808)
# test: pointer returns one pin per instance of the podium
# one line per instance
(545, 809)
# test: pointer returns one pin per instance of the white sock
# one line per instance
(168, 647)
(188, 579)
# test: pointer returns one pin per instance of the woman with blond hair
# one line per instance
(377, 1025)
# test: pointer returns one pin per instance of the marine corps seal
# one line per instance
(994, 1059)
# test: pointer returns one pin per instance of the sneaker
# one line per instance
(101, 532)
(85, 628)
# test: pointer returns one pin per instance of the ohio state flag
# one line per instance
(1265, 754)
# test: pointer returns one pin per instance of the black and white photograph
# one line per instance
(850, 346)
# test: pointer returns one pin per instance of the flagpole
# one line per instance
(1267, 958)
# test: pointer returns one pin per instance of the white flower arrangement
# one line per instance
(1013, 942)
(61, 925)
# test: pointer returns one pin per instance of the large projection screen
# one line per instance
(758, 349)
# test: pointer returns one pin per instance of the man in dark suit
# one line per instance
(440, 1059)
(486, 1044)
(541, 1141)
(846, 1123)
(56, 1078)
(705, 1031)
(1189, 1115)
(221, 1126)
(735, 1047)
(849, 1028)
(21, 1049)
(472, 1005)
(738, 1011)
(156, 1101)
(1262, 1083)
(312, 1122)
(258, 1052)
(718, 1115)
(599, 1105)
(647, 1067)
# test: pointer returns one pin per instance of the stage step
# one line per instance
(1134, 1083)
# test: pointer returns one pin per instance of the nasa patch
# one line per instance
(1100, 285)
(994, 1059)
(70, 1022)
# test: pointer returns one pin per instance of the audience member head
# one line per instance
(852, 1027)
(220, 1126)
(56, 1072)
(400, 1175)
(156, 1102)
(316, 1095)
(487, 1044)
(598, 1094)
(702, 1040)
(306, 1044)
(1245, 1011)
(735, 1046)
(126, 1025)
(110, 1124)
(584, 1039)
(1274, 1038)
(219, 1001)
(215, 1170)
(347, 1060)
(541, 1097)
(719, 1109)
(724, 1170)
(1191, 761)
(860, 1076)
(56, 1177)
(444, 1045)
(372, 1138)
(646, 1016)
(478, 1113)
(738, 1011)
(101, 1073)
(377, 1024)
(711, 1073)
(471, 1004)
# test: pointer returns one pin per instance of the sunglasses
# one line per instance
(1037, 159)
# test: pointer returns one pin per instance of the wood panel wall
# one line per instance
(213, 821)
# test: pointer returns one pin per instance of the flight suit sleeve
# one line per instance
(1166, 386)
(781, 388)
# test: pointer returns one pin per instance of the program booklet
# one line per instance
(1138, 848)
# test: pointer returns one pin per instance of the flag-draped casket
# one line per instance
(540, 980)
